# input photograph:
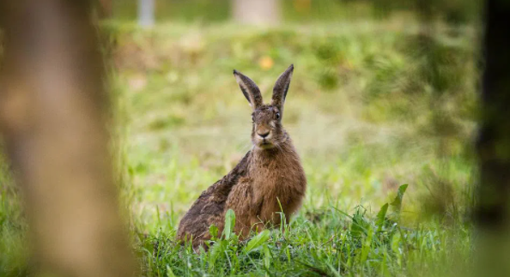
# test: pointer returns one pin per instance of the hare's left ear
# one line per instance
(250, 90)
(281, 88)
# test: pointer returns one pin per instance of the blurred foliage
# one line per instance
(363, 89)
(13, 251)
(189, 10)
(220, 10)
(453, 11)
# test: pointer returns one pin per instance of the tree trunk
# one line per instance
(260, 12)
(146, 13)
(105, 9)
(492, 211)
(53, 120)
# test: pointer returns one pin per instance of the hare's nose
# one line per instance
(263, 134)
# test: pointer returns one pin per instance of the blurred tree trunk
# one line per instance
(260, 12)
(492, 213)
(146, 13)
(105, 9)
(53, 120)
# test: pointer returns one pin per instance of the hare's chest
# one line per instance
(276, 196)
(278, 189)
(278, 185)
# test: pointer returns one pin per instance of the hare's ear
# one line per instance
(250, 90)
(281, 88)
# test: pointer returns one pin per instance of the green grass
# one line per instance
(368, 111)
(325, 242)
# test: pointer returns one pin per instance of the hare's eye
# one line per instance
(277, 115)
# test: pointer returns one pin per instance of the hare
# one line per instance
(267, 181)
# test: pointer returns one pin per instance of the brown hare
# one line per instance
(268, 180)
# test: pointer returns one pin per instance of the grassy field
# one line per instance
(372, 106)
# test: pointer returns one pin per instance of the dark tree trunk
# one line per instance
(494, 140)
(492, 211)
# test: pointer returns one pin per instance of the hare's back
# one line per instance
(209, 208)
(206, 210)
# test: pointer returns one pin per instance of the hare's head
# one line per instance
(267, 129)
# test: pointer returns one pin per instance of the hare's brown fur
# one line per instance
(268, 180)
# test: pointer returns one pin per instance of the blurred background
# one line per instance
(384, 93)
(381, 96)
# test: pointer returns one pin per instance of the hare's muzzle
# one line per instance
(264, 134)
(263, 138)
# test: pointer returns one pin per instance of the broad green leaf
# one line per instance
(267, 257)
(381, 217)
(258, 240)
(230, 222)
(397, 203)
(359, 223)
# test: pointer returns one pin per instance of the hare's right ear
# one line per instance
(282, 87)
(250, 90)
